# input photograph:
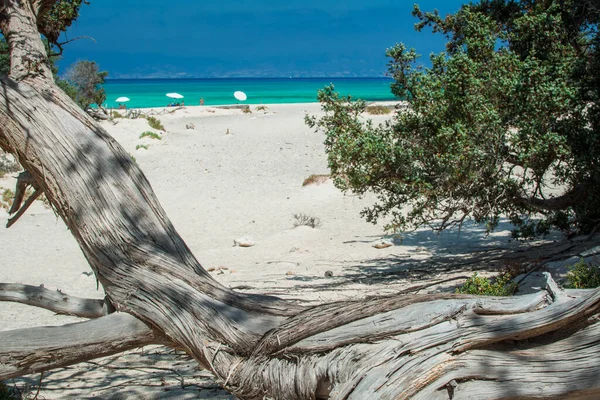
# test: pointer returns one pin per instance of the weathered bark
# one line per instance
(53, 300)
(424, 346)
(26, 351)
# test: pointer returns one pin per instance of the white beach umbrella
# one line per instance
(122, 99)
(241, 96)
(174, 95)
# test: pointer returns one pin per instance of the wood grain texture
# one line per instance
(26, 351)
(53, 300)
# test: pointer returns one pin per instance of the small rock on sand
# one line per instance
(243, 242)
(383, 243)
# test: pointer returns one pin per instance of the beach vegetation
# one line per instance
(583, 275)
(87, 79)
(306, 220)
(115, 114)
(142, 146)
(378, 109)
(151, 135)
(7, 198)
(501, 285)
(8, 164)
(247, 110)
(155, 123)
(262, 108)
(505, 122)
(315, 179)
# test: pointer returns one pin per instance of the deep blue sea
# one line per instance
(145, 93)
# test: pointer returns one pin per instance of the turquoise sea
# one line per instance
(144, 93)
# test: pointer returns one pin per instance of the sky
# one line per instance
(247, 38)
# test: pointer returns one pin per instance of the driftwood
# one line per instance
(53, 300)
(408, 346)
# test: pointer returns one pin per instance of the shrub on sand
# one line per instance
(583, 275)
(8, 164)
(306, 220)
(246, 110)
(155, 123)
(142, 146)
(262, 108)
(151, 135)
(378, 110)
(7, 199)
(478, 285)
(315, 179)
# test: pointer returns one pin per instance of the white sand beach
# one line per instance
(218, 187)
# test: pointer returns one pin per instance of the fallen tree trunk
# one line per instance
(427, 346)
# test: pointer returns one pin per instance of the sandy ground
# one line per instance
(217, 187)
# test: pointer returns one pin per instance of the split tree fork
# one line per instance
(407, 346)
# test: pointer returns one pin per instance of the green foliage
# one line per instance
(510, 110)
(378, 110)
(142, 146)
(151, 135)
(155, 123)
(583, 275)
(56, 18)
(246, 110)
(477, 285)
(7, 198)
(86, 79)
(4, 57)
(262, 108)
(116, 114)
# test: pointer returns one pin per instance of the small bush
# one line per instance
(378, 110)
(151, 135)
(246, 110)
(306, 220)
(7, 199)
(583, 276)
(142, 146)
(155, 123)
(501, 286)
(8, 164)
(116, 114)
(262, 108)
(315, 179)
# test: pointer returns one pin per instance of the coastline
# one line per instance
(152, 92)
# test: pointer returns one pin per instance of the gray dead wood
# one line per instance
(408, 346)
(52, 300)
(26, 351)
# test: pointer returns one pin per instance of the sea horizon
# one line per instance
(151, 92)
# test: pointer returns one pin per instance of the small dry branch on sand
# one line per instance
(435, 346)
(315, 179)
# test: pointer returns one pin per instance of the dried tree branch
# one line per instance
(27, 351)
(53, 300)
